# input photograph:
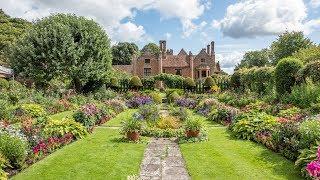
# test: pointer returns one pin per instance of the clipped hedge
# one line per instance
(171, 81)
(135, 82)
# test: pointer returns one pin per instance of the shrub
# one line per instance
(138, 101)
(135, 82)
(263, 79)
(180, 112)
(148, 83)
(104, 94)
(149, 112)
(114, 83)
(168, 122)
(208, 82)
(58, 128)
(186, 102)
(235, 81)
(4, 84)
(205, 106)
(172, 81)
(87, 115)
(3, 164)
(306, 156)
(286, 139)
(13, 149)
(173, 96)
(33, 110)
(116, 105)
(309, 132)
(193, 124)
(311, 70)
(188, 83)
(286, 74)
(156, 97)
(4, 109)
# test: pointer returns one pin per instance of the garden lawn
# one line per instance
(123, 116)
(225, 158)
(98, 156)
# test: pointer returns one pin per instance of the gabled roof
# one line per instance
(175, 61)
(182, 53)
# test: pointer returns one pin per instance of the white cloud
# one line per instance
(251, 18)
(228, 60)
(130, 32)
(110, 13)
(315, 3)
(167, 36)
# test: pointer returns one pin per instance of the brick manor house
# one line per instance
(185, 64)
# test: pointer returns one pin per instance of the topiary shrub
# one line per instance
(170, 80)
(312, 71)
(135, 82)
(4, 84)
(114, 83)
(208, 82)
(285, 74)
(189, 83)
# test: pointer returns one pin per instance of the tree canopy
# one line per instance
(10, 30)
(254, 58)
(287, 44)
(308, 55)
(152, 48)
(123, 52)
(63, 46)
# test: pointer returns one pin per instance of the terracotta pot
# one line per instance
(191, 133)
(133, 136)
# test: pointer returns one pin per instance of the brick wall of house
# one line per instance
(140, 65)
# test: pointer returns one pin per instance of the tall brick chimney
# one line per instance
(212, 49)
(163, 47)
(191, 64)
(208, 49)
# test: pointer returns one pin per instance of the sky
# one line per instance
(236, 26)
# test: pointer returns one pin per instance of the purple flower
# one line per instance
(186, 102)
(138, 101)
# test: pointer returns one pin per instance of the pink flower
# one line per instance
(314, 169)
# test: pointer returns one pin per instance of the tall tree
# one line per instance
(10, 30)
(123, 52)
(152, 48)
(287, 44)
(63, 46)
(308, 55)
(254, 58)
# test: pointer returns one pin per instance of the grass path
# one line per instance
(225, 158)
(98, 156)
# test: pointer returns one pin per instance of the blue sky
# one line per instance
(235, 25)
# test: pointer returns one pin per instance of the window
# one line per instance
(204, 74)
(164, 70)
(147, 61)
(203, 60)
(147, 71)
(178, 72)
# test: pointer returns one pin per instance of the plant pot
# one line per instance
(191, 133)
(133, 136)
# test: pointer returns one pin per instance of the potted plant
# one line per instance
(132, 128)
(192, 127)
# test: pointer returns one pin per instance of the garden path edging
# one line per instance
(163, 160)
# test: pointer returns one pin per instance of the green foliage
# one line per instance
(189, 83)
(61, 127)
(209, 82)
(148, 82)
(114, 82)
(4, 84)
(33, 110)
(87, 121)
(287, 44)
(11, 29)
(170, 80)
(151, 48)
(303, 95)
(311, 70)
(135, 82)
(149, 112)
(247, 125)
(168, 122)
(156, 97)
(3, 164)
(193, 124)
(63, 46)
(13, 149)
(308, 55)
(235, 81)
(310, 133)
(306, 156)
(123, 52)
(286, 74)
(131, 125)
(254, 58)
(263, 79)
(172, 96)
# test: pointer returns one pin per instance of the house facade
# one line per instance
(185, 64)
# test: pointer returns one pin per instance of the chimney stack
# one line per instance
(208, 49)
(212, 48)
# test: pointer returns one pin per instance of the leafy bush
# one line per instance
(286, 74)
(223, 114)
(114, 83)
(87, 115)
(13, 149)
(186, 102)
(208, 82)
(116, 105)
(193, 124)
(173, 96)
(148, 83)
(4, 84)
(286, 139)
(206, 105)
(156, 97)
(180, 112)
(149, 112)
(162, 133)
(3, 164)
(311, 70)
(104, 94)
(131, 125)
(58, 128)
(306, 156)
(135, 82)
(138, 101)
(247, 125)
(33, 110)
(309, 132)
(168, 122)
(170, 80)
(188, 83)
(4, 109)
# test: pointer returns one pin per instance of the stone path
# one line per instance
(163, 160)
